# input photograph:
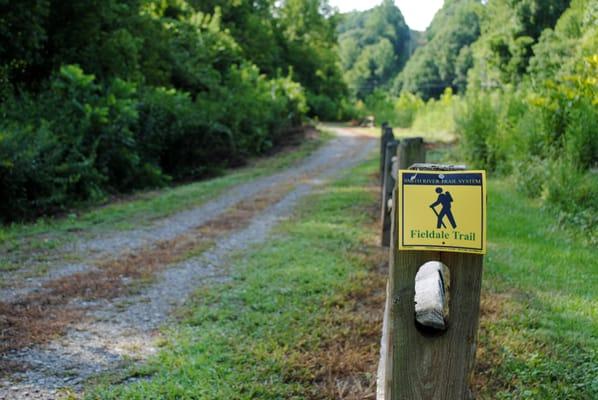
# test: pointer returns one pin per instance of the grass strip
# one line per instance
(300, 317)
(539, 330)
(42, 315)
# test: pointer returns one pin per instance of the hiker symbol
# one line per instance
(444, 200)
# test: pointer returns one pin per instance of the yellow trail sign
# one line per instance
(442, 210)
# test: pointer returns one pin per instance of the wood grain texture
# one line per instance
(411, 151)
(387, 136)
(388, 185)
(390, 336)
(420, 365)
(434, 366)
(382, 376)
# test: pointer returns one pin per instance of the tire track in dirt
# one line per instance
(125, 327)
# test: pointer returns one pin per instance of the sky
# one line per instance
(417, 13)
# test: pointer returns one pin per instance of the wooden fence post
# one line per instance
(388, 184)
(417, 364)
(411, 150)
(386, 137)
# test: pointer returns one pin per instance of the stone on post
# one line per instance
(431, 295)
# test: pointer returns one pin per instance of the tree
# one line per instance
(510, 30)
(444, 60)
(374, 46)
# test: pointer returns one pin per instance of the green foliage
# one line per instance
(510, 28)
(22, 37)
(437, 116)
(131, 94)
(545, 135)
(538, 118)
(374, 45)
(573, 196)
(434, 118)
(444, 60)
(112, 138)
(575, 36)
(477, 122)
(542, 342)
(143, 208)
(33, 176)
(407, 107)
(89, 148)
(398, 112)
(380, 104)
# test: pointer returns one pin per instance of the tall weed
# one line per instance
(437, 115)
(477, 124)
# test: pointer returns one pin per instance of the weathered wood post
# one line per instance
(388, 184)
(386, 137)
(419, 363)
(408, 151)
(411, 151)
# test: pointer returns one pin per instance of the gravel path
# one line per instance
(112, 244)
(126, 328)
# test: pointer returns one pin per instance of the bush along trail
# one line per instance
(71, 327)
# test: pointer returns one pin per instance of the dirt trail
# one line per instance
(113, 243)
(116, 329)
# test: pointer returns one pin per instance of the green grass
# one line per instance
(428, 135)
(543, 280)
(244, 339)
(144, 207)
(545, 344)
(241, 340)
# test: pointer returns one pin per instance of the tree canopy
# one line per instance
(374, 46)
(444, 60)
(108, 96)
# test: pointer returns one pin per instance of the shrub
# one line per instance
(173, 135)
(476, 124)
(381, 105)
(35, 177)
(437, 115)
(324, 107)
(406, 107)
(573, 195)
(115, 138)
(99, 124)
(531, 175)
(546, 134)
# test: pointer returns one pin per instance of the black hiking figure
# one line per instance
(444, 199)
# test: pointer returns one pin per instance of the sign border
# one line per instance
(424, 247)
